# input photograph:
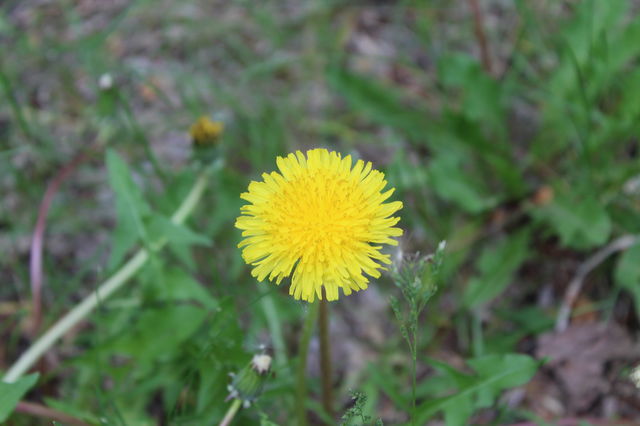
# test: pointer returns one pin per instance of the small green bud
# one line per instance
(247, 385)
(417, 277)
(205, 136)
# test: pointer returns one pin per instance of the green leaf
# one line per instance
(458, 411)
(176, 285)
(12, 393)
(264, 420)
(495, 373)
(459, 378)
(580, 222)
(158, 332)
(496, 268)
(386, 383)
(629, 106)
(176, 234)
(380, 103)
(130, 208)
(458, 187)
(480, 93)
(627, 273)
(626, 47)
(68, 407)
(522, 368)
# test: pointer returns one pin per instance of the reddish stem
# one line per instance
(37, 241)
(38, 410)
(478, 28)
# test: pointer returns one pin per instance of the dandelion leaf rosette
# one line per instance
(320, 220)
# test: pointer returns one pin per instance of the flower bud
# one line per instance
(635, 376)
(247, 385)
(205, 132)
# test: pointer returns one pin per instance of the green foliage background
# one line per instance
(521, 170)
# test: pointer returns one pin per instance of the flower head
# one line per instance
(205, 132)
(320, 220)
(261, 363)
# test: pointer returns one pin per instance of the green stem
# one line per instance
(231, 412)
(476, 335)
(48, 339)
(301, 373)
(414, 357)
(325, 357)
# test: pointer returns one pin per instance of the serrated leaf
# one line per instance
(12, 393)
(496, 267)
(387, 384)
(580, 222)
(378, 102)
(481, 94)
(158, 332)
(177, 285)
(130, 209)
(627, 273)
(458, 411)
(459, 188)
(174, 233)
(522, 366)
(458, 377)
(495, 372)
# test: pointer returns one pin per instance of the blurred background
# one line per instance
(509, 128)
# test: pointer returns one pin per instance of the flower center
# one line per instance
(319, 214)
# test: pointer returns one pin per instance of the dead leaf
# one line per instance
(579, 356)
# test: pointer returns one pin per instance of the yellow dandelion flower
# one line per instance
(205, 132)
(321, 220)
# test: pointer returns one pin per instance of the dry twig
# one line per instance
(478, 28)
(620, 244)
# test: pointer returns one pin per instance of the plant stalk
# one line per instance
(325, 357)
(73, 317)
(43, 412)
(478, 27)
(37, 241)
(231, 412)
(414, 358)
(301, 373)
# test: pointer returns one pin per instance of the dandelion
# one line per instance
(320, 221)
(105, 82)
(205, 132)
